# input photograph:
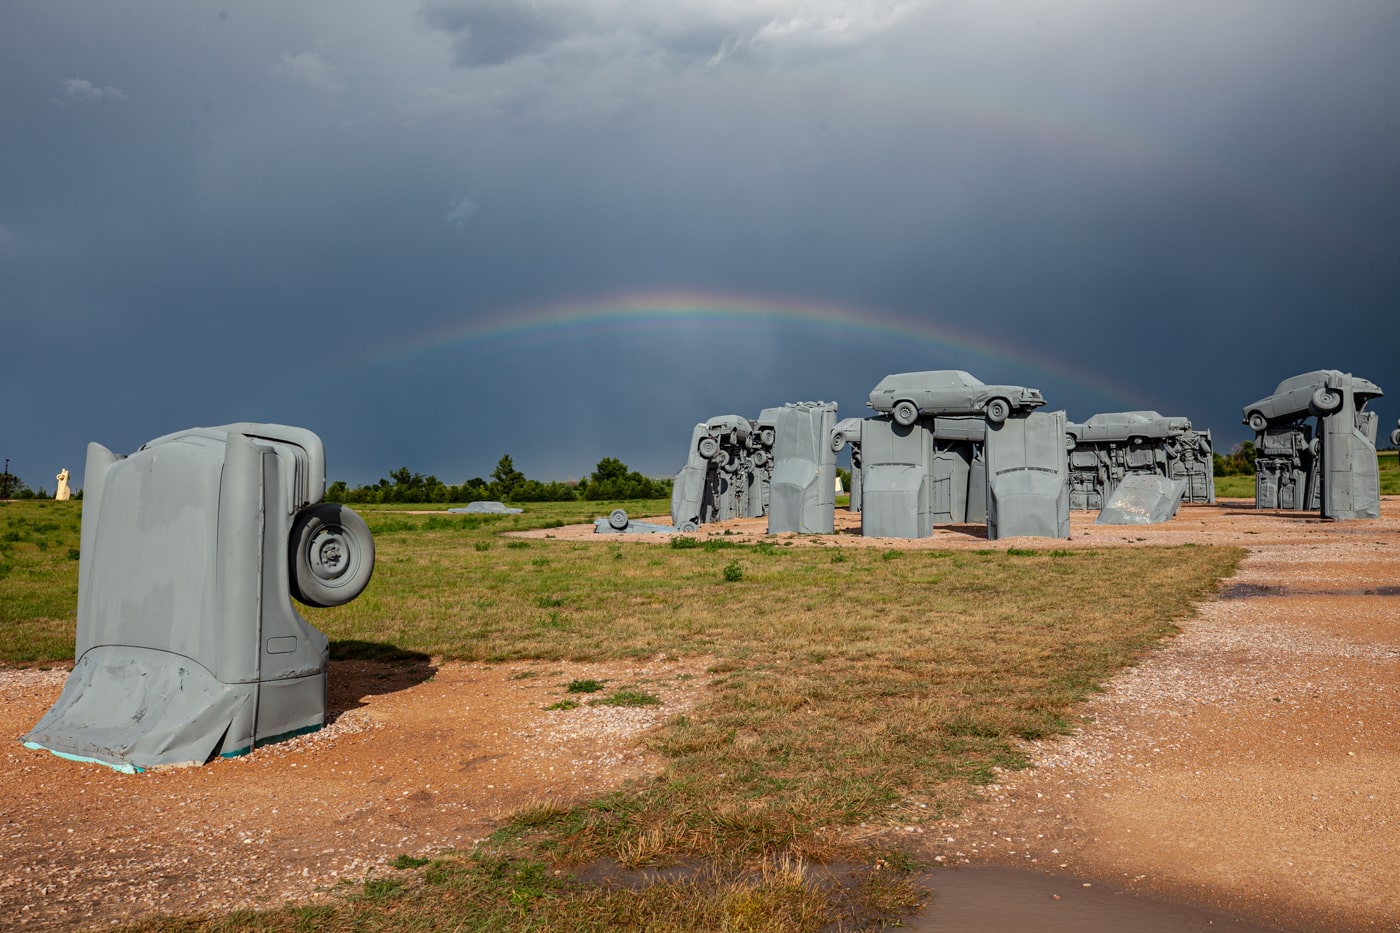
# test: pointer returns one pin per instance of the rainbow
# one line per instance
(660, 312)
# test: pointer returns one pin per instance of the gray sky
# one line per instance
(441, 231)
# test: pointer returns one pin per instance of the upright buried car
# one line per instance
(188, 645)
(907, 396)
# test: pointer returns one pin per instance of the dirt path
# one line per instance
(1253, 765)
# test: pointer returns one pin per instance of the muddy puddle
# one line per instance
(988, 899)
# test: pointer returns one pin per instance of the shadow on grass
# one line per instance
(362, 668)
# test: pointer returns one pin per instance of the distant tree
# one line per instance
(532, 490)
(12, 487)
(612, 480)
(1239, 462)
(505, 478)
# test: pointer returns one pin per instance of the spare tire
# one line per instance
(331, 553)
(617, 518)
(1326, 399)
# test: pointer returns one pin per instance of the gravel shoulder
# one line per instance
(1251, 765)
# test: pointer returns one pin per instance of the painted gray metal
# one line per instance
(848, 432)
(487, 508)
(1287, 468)
(957, 479)
(188, 646)
(1027, 476)
(725, 474)
(802, 495)
(908, 396)
(617, 522)
(1332, 467)
(896, 479)
(1395, 437)
(689, 487)
(1112, 445)
(1191, 459)
(1142, 499)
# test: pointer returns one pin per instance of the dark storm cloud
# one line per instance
(497, 31)
(208, 218)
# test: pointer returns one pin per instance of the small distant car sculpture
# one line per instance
(1319, 392)
(907, 396)
(1131, 426)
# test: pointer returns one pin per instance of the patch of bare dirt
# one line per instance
(419, 758)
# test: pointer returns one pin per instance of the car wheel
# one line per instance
(838, 440)
(1315, 446)
(1257, 422)
(688, 527)
(760, 458)
(905, 412)
(1325, 399)
(1071, 442)
(997, 410)
(708, 447)
(1395, 437)
(332, 555)
(617, 519)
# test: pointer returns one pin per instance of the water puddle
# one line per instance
(985, 899)
(1258, 591)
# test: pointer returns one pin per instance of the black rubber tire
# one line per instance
(708, 447)
(998, 409)
(904, 412)
(1326, 400)
(617, 519)
(331, 553)
(1257, 422)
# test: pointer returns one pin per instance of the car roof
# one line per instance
(931, 377)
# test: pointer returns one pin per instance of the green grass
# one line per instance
(39, 542)
(866, 690)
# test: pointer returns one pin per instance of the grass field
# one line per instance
(852, 685)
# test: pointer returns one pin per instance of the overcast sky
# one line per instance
(436, 232)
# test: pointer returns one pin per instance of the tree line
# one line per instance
(611, 479)
(1238, 462)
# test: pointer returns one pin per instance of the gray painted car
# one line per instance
(906, 396)
(1132, 426)
(1317, 392)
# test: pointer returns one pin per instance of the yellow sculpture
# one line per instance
(62, 494)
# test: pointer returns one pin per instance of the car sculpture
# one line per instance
(906, 396)
(1319, 392)
(1132, 426)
